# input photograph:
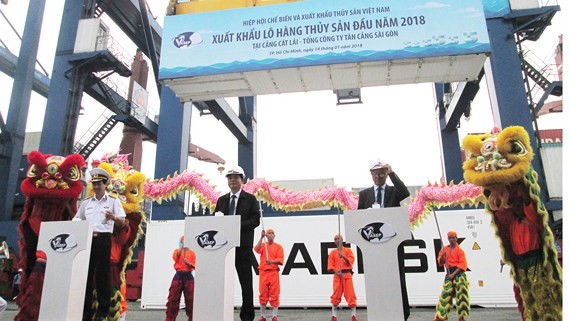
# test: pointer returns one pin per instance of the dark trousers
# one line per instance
(99, 273)
(244, 264)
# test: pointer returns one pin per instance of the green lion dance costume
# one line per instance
(500, 162)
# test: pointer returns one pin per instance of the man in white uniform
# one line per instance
(102, 211)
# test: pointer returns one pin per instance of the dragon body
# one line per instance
(500, 162)
(52, 187)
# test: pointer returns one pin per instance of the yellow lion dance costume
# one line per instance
(500, 162)
(127, 185)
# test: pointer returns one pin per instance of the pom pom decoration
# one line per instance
(284, 200)
(167, 189)
(280, 199)
(437, 195)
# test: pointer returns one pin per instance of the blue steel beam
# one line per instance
(450, 143)
(531, 23)
(460, 102)
(19, 107)
(247, 151)
(224, 112)
(8, 63)
(127, 16)
(58, 107)
(149, 41)
(41, 83)
(172, 147)
(555, 85)
(509, 90)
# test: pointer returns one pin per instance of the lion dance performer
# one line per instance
(52, 187)
(500, 162)
(455, 283)
(127, 185)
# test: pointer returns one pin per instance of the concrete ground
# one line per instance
(135, 313)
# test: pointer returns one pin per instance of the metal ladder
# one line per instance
(95, 134)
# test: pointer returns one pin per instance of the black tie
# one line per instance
(232, 205)
(379, 196)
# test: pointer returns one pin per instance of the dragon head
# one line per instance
(500, 157)
(53, 176)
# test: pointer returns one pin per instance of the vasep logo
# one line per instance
(63, 243)
(211, 240)
(377, 232)
(187, 40)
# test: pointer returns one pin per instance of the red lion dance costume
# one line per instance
(52, 188)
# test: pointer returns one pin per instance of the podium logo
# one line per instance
(377, 232)
(211, 240)
(63, 243)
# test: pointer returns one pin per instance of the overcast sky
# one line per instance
(300, 136)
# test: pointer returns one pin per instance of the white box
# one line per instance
(91, 36)
(524, 4)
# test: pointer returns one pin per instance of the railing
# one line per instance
(546, 66)
(118, 84)
(546, 3)
(107, 42)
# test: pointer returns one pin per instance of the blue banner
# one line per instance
(319, 32)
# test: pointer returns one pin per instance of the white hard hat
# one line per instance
(377, 164)
(235, 170)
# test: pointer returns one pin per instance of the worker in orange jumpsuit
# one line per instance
(271, 256)
(340, 263)
(455, 283)
(183, 281)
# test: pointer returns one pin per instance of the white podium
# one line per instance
(213, 239)
(378, 233)
(67, 246)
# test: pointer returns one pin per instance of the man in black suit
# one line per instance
(390, 196)
(238, 202)
(384, 195)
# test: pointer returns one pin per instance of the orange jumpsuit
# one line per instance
(455, 257)
(458, 287)
(269, 287)
(344, 284)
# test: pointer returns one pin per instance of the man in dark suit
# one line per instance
(390, 196)
(383, 195)
(238, 202)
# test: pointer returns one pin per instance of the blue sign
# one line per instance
(319, 32)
